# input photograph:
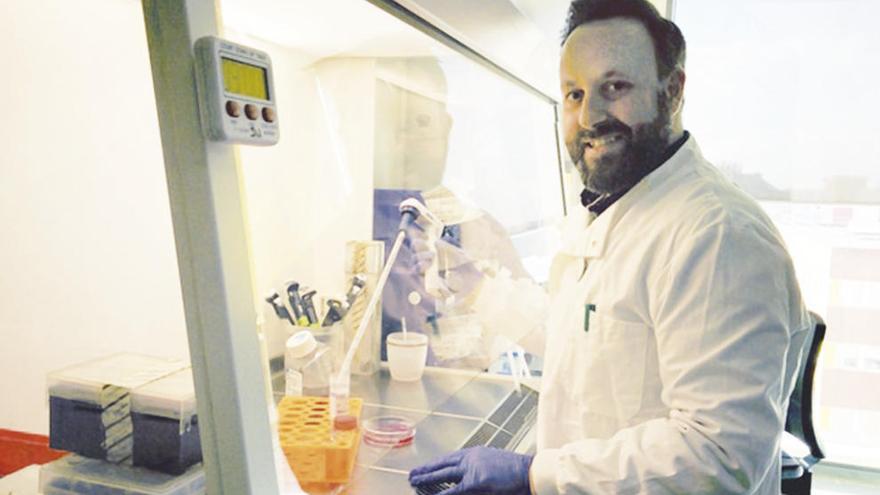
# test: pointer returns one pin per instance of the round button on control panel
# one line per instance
(251, 111)
(233, 109)
(269, 114)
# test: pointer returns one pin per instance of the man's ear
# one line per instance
(675, 89)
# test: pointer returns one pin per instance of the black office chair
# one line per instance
(797, 472)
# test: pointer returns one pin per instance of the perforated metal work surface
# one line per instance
(481, 437)
(501, 440)
(516, 415)
(506, 408)
(434, 489)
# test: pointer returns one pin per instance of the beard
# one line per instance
(643, 151)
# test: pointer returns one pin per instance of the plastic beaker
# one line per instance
(407, 354)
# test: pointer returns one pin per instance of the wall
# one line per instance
(311, 192)
(87, 255)
(88, 258)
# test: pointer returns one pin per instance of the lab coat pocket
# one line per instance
(623, 348)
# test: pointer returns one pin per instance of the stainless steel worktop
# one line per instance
(447, 407)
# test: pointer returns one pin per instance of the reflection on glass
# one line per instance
(413, 130)
(386, 114)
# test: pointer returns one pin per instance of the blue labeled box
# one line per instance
(165, 424)
(90, 403)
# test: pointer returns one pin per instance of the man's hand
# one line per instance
(453, 269)
(423, 246)
(477, 470)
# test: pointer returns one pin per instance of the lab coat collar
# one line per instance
(684, 158)
(585, 235)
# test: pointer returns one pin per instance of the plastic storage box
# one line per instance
(316, 454)
(165, 424)
(90, 403)
(75, 474)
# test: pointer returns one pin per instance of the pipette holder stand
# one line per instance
(366, 258)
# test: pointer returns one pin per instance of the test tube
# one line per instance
(340, 385)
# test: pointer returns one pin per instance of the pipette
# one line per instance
(293, 297)
(335, 312)
(410, 210)
(514, 370)
(515, 354)
(358, 283)
(279, 308)
(371, 305)
(433, 229)
(308, 306)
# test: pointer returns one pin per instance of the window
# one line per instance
(781, 95)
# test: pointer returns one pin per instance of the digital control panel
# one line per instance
(236, 94)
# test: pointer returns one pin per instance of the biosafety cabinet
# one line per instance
(306, 125)
(289, 131)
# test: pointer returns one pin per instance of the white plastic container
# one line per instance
(308, 365)
(165, 424)
(75, 474)
(332, 336)
(90, 403)
(407, 355)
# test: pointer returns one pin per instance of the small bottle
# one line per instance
(308, 365)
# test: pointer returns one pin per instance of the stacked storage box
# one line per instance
(122, 411)
(90, 403)
(76, 474)
(165, 425)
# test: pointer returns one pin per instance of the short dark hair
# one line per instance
(669, 46)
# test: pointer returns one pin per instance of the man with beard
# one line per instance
(676, 323)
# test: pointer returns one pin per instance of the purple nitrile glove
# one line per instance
(477, 470)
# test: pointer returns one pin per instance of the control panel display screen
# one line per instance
(244, 79)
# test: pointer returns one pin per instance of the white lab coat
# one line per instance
(680, 384)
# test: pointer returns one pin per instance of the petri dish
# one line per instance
(389, 431)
